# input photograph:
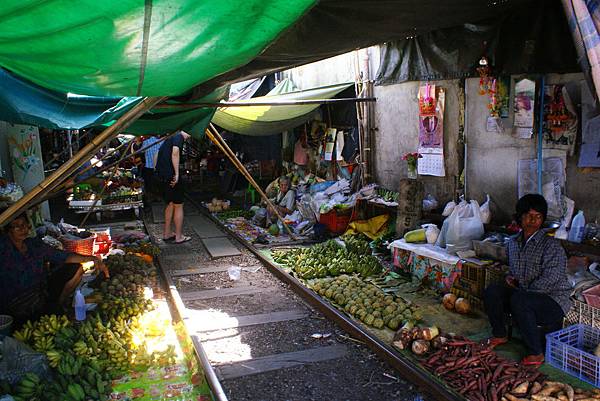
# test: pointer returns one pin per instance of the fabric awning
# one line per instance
(269, 120)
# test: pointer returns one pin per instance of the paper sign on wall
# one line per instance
(524, 106)
(431, 131)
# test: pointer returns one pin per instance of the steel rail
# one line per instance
(179, 308)
(403, 365)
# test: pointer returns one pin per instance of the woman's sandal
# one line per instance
(185, 239)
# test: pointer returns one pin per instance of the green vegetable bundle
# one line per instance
(235, 213)
(327, 259)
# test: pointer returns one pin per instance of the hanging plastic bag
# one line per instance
(431, 233)
(464, 226)
(484, 210)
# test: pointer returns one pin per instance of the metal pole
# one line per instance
(540, 151)
(250, 104)
(465, 135)
(72, 164)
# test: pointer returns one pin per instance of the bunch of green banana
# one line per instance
(358, 244)
(327, 259)
(29, 388)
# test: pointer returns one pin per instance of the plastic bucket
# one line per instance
(6, 322)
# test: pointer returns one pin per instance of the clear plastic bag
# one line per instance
(18, 359)
(484, 210)
(464, 226)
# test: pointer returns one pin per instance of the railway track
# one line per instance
(267, 337)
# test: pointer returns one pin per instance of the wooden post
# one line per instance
(218, 140)
(72, 164)
(410, 205)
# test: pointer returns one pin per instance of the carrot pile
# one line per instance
(477, 372)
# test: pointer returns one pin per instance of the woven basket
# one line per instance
(84, 246)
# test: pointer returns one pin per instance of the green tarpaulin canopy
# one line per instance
(269, 120)
(134, 47)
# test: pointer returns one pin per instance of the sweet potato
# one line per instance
(521, 389)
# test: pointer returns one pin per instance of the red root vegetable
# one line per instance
(478, 373)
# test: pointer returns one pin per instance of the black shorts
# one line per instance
(172, 194)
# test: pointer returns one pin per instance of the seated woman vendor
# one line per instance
(27, 289)
(536, 290)
(285, 201)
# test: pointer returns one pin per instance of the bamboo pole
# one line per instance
(249, 104)
(218, 140)
(72, 164)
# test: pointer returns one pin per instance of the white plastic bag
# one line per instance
(234, 272)
(464, 226)
(484, 210)
(431, 233)
(449, 208)
(429, 203)
(562, 232)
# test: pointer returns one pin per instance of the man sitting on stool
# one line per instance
(536, 291)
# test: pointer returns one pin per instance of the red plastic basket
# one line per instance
(336, 221)
(83, 246)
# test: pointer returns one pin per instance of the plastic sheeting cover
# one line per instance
(269, 120)
(137, 48)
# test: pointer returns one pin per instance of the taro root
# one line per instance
(420, 347)
(448, 301)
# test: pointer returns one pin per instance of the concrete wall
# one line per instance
(492, 159)
(396, 119)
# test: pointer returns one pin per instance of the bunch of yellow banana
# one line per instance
(81, 348)
(54, 357)
(43, 344)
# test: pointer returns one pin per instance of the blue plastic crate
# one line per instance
(572, 350)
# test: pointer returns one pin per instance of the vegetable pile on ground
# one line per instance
(550, 391)
(129, 275)
(478, 373)
(366, 302)
(108, 343)
(420, 340)
(358, 244)
(234, 214)
(327, 259)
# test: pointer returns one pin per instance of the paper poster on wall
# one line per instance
(330, 144)
(524, 106)
(26, 158)
(431, 132)
(560, 119)
(589, 152)
(431, 164)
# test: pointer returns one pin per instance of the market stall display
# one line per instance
(118, 192)
(127, 347)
